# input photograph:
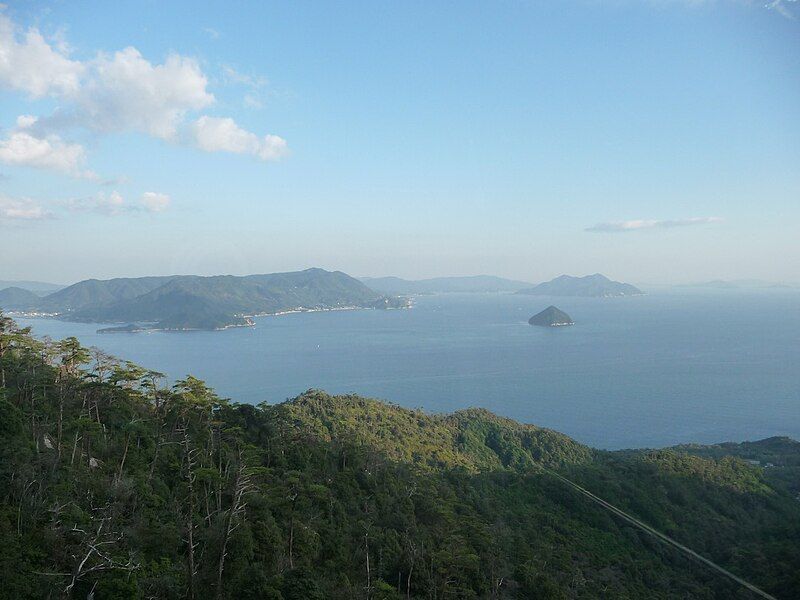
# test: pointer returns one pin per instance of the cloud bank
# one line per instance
(21, 209)
(24, 147)
(782, 8)
(214, 134)
(117, 92)
(640, 224)
(114, 204)
(154, 201)
(107, 204)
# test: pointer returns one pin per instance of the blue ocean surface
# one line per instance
(646, 371)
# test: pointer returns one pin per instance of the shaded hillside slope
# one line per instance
(15, 298)
(95, 292)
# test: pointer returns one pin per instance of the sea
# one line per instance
(669, 367)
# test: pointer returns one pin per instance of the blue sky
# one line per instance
(651, 141)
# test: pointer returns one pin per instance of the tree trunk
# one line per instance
(366, 547)
(61, 420)
(291, 542)
(33, 424)
(2, 366)
(74, 449)
(237, 506)
(124, 456)
(155, 459)
(189, 522)
(159, 428)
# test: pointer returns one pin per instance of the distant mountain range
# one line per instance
(39, 287)
(595, 286)
(590, 286)
(735, 284)
(194, 302)
(441, 285)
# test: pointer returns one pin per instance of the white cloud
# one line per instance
(121, 91)
(256, 83)
(211, 32)
(640, 224)
(105, 204)
(24, 209)
(29, 64)
(115, 200)
(155, 201)
(114, 204)
(781, 7)
(252, 101)
(233, 76)
(22, 148)
(127, 92)
(26, 121)
(115, 92)
(214, 134)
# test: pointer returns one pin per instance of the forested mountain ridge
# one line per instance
(96, 292)
(194, 302)
(113, 484)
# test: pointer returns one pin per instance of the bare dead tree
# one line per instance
(129, 430)
(412, 554)
(190, 479)
(241, 486)
(150, 383)
(366, 553)
(94, 551)
(292, 499)
(104, 364)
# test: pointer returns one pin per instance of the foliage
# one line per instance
(113, 484)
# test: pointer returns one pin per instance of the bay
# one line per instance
(645, 371)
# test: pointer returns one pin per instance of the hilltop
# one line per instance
(596, 285)
(194, 302)
(187, 494)
(16, 298)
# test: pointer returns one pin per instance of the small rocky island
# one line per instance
(551, 317)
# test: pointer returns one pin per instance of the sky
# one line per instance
(653, 141)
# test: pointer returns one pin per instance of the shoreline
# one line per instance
(249, 319)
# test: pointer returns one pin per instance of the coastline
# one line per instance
(249, 319)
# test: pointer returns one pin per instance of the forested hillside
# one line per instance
(115, 485)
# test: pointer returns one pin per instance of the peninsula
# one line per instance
(185, 302)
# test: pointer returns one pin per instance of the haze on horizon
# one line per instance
(653, 141)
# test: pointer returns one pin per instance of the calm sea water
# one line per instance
(633, 372)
